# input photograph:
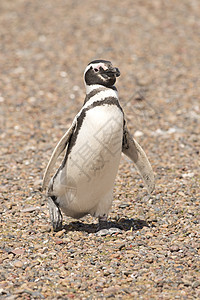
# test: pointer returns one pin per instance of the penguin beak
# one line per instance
(111, 72)
(117, 72)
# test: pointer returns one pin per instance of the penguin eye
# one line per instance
(96, 70)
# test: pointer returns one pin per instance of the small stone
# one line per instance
(114, 230)
(106, 273)
(59, 242)
(60, 233)
(45, 228)
(76, 238)
(30, 209)
(160, 282)
(121, 246)
(66, 240)
(2, 291)
(185, 175)
(124, 205)
(149, 260)
(138, 133)
(127, 272)
(63, 74)
(174, 248)
(18, 264)
(149, 234)
(186, 282)
(146, 198)
(102, 232)
(18, 251)
(196, 284)
(111, 289)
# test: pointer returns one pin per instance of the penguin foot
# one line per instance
(103, 223)
(107, 228)
(55, 215)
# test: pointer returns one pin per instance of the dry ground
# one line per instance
(44, 48)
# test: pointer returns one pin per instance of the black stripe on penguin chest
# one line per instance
(95, 91)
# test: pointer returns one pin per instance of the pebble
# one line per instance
(60, 233)
(196, 284)
(30, 209)
(59, 241)
(185, 175)
(18, 264)
(124, 205)
(138, 133)
(114, 230)
(102, 232)
(174, 248)
(121, 246)
(18, 251)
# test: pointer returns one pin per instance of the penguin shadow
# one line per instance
(124, 224)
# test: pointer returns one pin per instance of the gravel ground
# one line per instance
(45, 46)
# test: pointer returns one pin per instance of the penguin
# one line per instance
(84, 182)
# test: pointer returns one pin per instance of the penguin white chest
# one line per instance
(98, 144)
(93, 162)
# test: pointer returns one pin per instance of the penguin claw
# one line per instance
(57, 226)
(103, 223)
(55, 215)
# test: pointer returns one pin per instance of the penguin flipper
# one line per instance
(60, 147)
(135, 152)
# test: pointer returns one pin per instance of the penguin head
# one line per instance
(101, 72)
